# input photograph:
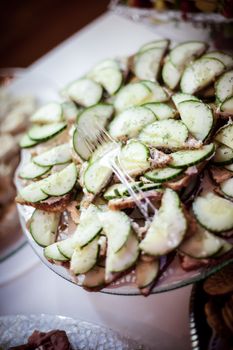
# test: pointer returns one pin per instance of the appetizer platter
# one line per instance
(126, 184)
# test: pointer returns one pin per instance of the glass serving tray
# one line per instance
(173, 276)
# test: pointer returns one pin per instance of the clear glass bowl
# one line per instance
(15, 330)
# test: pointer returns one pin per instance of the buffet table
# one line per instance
(160, 321)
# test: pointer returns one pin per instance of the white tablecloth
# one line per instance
(160, 321)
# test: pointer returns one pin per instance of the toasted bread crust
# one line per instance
(54, 204)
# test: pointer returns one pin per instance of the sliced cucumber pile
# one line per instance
(168, 227)
(121, 170)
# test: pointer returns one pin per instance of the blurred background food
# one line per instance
(29, 29)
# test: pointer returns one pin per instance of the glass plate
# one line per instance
(172, 278)
(14, 330)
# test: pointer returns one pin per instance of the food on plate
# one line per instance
(54, 339)
(14, 114)
(161, 119)
(219, 307)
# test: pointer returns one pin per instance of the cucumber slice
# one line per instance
(146, 272)
(49, 113)
(85, 92)
(227, 105)
(129, 122)
(224, 86)
(70, 111)
(223, 155)
(89, 226)
(200, 74)
(52, 252)
(66, 247)
(60, 183)
(89, 123)
(162, 44)
(225, 135)
(161, 110)
(168, 227)
(158, 93)
(198, 118)
(213, 212)
(120, 190)
(116, 225)
(26, 142)
(171, 75)
(96, 177)
(227, 187)
(32, 171)
(110, 78)
(201, 245)
(45, 132)
(181, 97)
(163, 174)
(187, 158)
(84, 259)
(108, 63)
(164, 133)
(186, 52)
(226, 247)
(94, 278)
(134, 157)
(33, 193)
(229, 167)
(58, 155)
(124, 258)
(226, 59)
(43, 227)
(147, 63)
(130, 95)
